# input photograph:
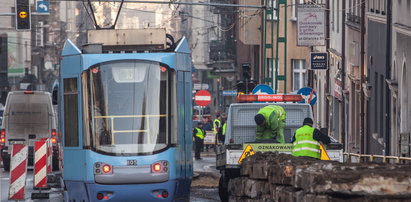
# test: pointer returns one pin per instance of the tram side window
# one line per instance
(70, 112)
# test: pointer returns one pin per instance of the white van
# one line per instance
(28, 117)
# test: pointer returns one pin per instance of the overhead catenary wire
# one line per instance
(219, 26)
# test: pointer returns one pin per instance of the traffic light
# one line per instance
(23, 15)
(251, 85)
(246, 71)
(241, 88)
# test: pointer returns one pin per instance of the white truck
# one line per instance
(241, 131)
(28, 117)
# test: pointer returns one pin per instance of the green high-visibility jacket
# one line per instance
(304, 144)
(274, 124)
(216, 125)
(224, 128)
(200, 133)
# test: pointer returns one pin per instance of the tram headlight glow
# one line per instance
(161, 166)
(106, 168)
(157, 167)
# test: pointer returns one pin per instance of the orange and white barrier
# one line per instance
(18, 171)
(40, 164)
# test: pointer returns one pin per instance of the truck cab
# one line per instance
(241, 133)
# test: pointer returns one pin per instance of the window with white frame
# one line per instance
(273, 4)
(300, 76)
(294, 8)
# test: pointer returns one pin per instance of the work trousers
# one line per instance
(199, 144)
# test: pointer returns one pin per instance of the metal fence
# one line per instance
(361, 158)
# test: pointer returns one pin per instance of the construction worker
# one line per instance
(198, 134)
(217, 123)
(270, 122)
(306, 140)
(221, 131)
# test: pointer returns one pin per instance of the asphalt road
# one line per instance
(205, 179)
(55, 194)
(204, 186)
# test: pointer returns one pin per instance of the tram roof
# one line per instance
(169, 58)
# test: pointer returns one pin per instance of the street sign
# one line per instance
(309, 95)
(310, 25)
(248, 151)
(229, 93)
(202, 98)
(42, 6)
(269, 147)
(199, 86)
(263, 89)
(319, 61)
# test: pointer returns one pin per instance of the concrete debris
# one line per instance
(273, 176)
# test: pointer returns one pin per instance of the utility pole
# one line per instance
(327, 74)
(362, 104)
(388, 75)
(342, 124)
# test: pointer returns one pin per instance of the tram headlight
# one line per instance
(160, 167)
(106, 168)
(102, 168)
(157, 167)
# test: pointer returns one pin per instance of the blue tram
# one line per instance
(125, 117)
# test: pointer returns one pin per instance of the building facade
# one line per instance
(335, 65)
(377, 108)
(399, 81)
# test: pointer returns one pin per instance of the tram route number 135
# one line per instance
(131, 162)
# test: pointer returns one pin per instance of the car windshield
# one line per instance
(128, 105)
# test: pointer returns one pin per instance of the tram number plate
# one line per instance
(131, 162)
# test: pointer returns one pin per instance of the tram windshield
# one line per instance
(128, 106)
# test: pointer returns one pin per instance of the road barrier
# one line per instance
(40, 162)
(40, 169)
(18, 172)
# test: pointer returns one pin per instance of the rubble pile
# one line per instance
(280, 177)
